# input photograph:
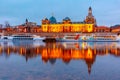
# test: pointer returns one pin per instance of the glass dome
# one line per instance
(52, 20)
(66, 18)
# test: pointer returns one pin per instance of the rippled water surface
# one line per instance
(36, 60)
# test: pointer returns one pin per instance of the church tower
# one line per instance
(90, 18)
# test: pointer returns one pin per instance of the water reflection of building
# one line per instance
(51, 51)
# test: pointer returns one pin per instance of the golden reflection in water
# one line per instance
(64, 51)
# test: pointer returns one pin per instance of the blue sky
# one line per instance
(106, 12)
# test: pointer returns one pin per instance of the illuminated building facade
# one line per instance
(51, 25)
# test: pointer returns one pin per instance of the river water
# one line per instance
(35, 60)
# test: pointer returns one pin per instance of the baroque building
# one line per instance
(51, 25)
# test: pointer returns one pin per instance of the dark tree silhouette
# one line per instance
(7, 24)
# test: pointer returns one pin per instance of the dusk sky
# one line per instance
(106, 12)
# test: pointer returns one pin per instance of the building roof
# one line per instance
(115, 26)
(46, 18)
(102, 27)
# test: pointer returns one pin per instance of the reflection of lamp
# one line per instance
(83, 38)
(76, 45)
(89, 54)
(64, 44)
(84, 45)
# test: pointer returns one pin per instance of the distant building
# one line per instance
(101, 29)
(30, 24)
(1, 26)
(28, 27)
(51, 25)
(115, 28)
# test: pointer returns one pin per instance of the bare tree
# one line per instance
(1, 26)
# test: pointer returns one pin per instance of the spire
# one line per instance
(90, 11)
(90, 8)
(52, 14)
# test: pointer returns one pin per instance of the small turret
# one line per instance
(26, 21)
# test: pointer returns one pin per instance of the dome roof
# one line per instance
(66, 18)
(52, 20)
(46, 18)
